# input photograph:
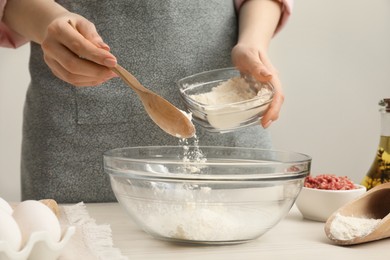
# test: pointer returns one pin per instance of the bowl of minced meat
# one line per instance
(223, 101)
(323, 194)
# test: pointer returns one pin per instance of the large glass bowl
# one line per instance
(224, 117)
(226, 195)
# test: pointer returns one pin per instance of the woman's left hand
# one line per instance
(255, 62)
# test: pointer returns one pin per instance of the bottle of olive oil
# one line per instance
(379, 171)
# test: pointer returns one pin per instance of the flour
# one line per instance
(195, 215)
(192, 159)
(233, 91)
(230, 91)
(346, 228)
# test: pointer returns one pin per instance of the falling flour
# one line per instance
(194, 158)
(233, 91)
(346, 228)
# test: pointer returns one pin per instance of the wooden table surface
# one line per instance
(293, 238)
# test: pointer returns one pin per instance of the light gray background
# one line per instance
(334, 62)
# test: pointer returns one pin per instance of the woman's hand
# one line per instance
(258, 20)
(253, 61)
(76, 53)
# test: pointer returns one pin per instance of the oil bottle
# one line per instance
(379, 171)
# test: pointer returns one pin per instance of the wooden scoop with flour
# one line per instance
(364, 219)
(168, 117)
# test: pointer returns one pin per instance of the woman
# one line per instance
(76, 108)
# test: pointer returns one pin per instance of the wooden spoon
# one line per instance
(374, 204)
(168, 117)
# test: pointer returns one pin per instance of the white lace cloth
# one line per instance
(90, 241)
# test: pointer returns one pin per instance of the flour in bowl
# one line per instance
(233, 93)
(195, 215)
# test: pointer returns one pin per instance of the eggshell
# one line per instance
(5, 206)
(52, 204)
(33, 216)
(10, 231)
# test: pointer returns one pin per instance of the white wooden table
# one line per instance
(293, 238)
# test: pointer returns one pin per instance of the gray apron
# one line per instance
(66, 129)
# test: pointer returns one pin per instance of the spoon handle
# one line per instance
(129, 78)
(124, 74)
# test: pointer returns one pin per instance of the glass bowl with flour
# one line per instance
(223, 101)
(205, 195)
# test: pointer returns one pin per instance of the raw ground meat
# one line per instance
(329, 182)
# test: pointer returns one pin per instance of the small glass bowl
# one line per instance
(229, 116)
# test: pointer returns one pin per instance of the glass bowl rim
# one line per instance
(278, 176)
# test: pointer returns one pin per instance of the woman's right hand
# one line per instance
(76, 53)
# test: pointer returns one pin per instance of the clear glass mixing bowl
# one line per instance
(209, 195)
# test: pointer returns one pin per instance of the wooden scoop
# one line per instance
(168, 117)
(374, 204)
